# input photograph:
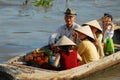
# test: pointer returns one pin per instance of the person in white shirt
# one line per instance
(108, 32)
(66, 29)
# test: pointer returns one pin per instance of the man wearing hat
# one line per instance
(66, 29)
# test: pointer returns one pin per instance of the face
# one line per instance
(81, 36)
(93, 29)
(108, 21)
(69, 20)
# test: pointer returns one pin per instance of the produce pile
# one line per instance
(39, 57)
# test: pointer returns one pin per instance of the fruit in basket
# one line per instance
(34, 54)
(46, 59)
(42, 54)
(30, 57)
(38, 59)
(35, 60)
(41, 62)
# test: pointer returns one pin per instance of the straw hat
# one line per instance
(94, 23)
(64, 41)
(86, 31)
(70, 12)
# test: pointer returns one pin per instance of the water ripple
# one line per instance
(21, 32)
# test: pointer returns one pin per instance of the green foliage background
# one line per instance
(43, 3)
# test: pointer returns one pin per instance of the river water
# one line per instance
(23, 29)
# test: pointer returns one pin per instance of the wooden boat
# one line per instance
(16, 68)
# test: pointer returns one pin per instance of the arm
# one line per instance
(52, 38)
(112, 27)
(79, 57)
(57, 59)
(111, 30)
(74, 35)
(100, 36)
(100, 49)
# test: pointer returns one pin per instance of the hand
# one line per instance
(105, 46)
(96, 43)
(112, 26)
(74, 35)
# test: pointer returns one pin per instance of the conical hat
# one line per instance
(64, 41)
(86, 31)
(94, 23)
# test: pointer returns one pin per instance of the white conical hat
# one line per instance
(64, 41)
(85, 30)
(94, 23)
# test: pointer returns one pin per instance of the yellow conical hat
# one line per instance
(94, 23)
(64, 41)
(86, 31)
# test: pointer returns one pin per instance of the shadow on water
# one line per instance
(21, 32)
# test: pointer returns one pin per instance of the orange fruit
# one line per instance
(35, 60)
(46, 59)
(42, 54)
(30, 57)
(39, 54)
(38, 59)
(34, 54)
(41, 62)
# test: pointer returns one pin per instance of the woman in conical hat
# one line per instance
(87, 49)
(97, 32)
(67, 56)
(96, 29)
